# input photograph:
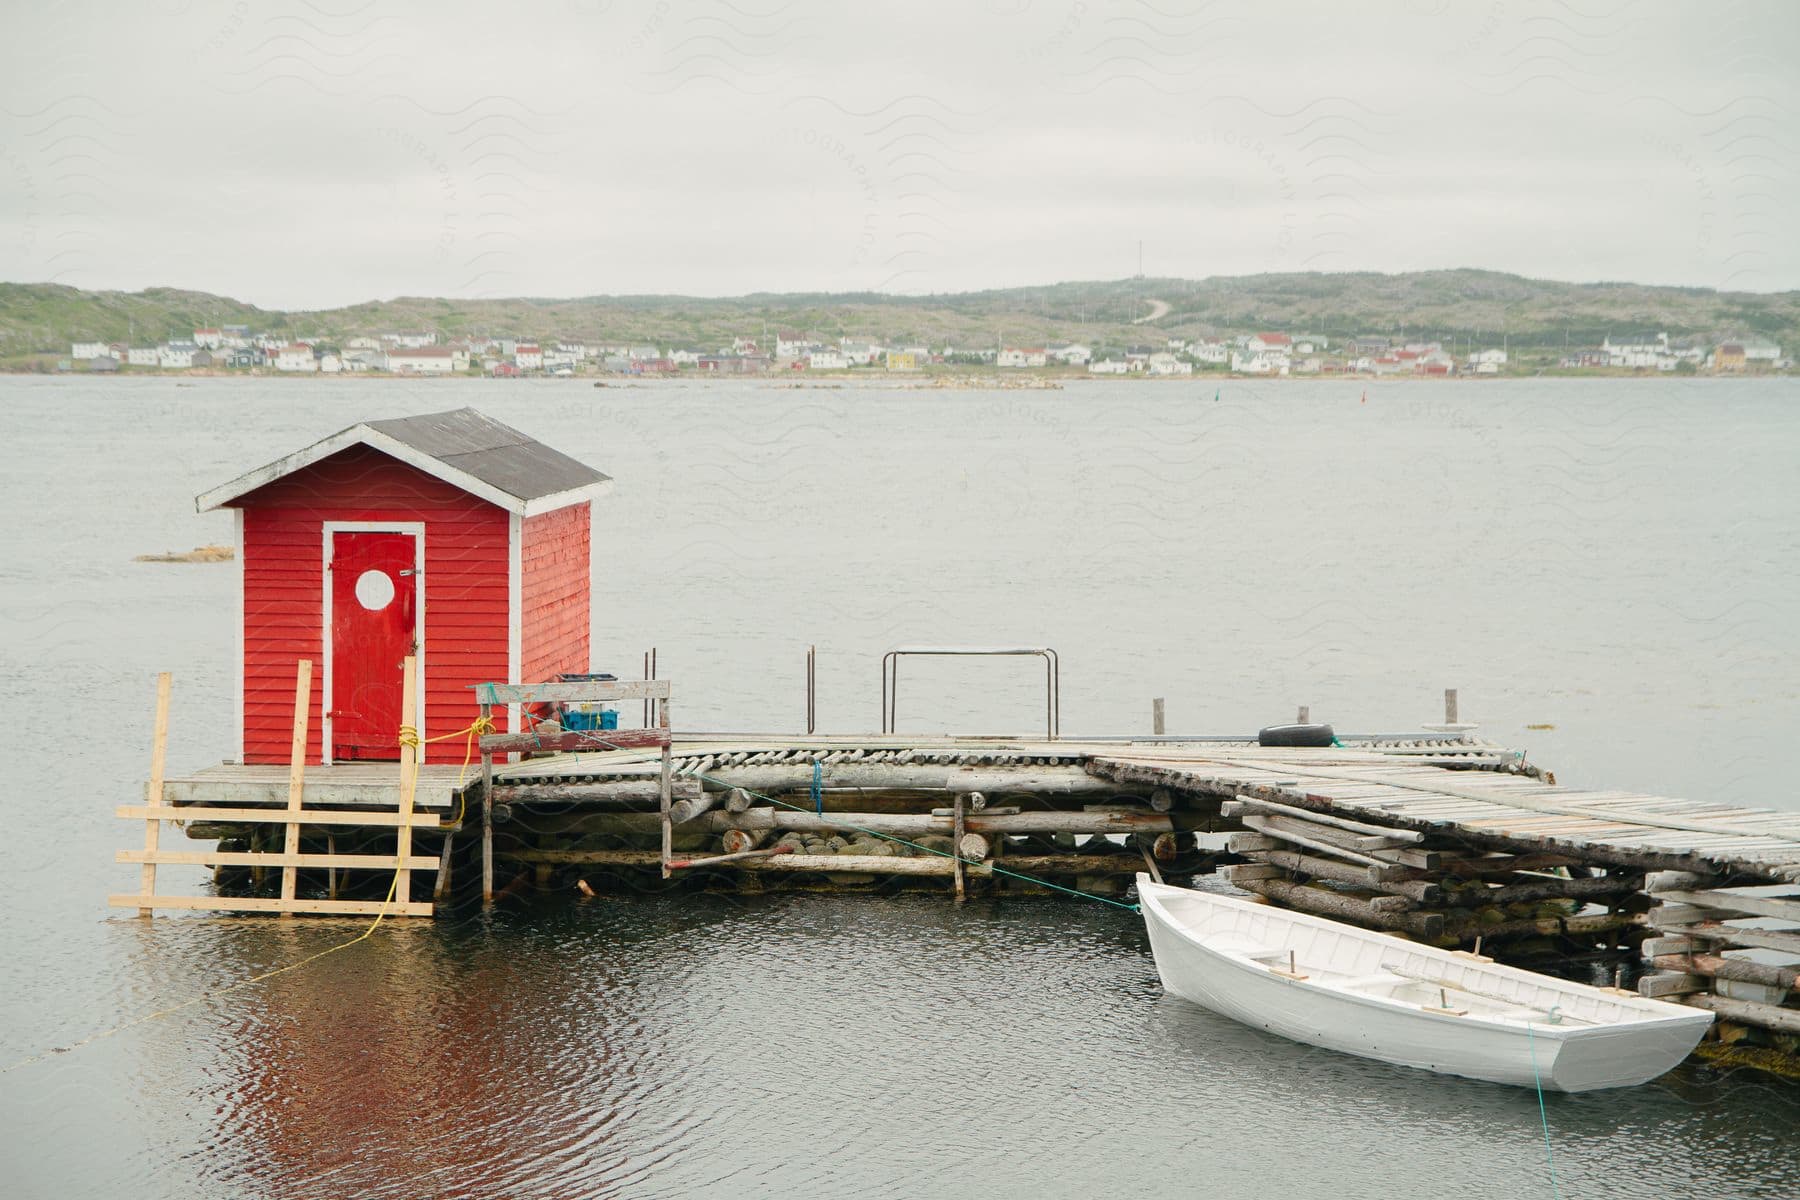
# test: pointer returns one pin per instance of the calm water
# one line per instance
(1617, 560)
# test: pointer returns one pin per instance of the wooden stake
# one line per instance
(296, 778)
(1149, 863)
(159, 744)
(487, 818)
(665, 802)
(409, 777)
(1305, 715)
(442, 890)
(1450, 706)
(1156, 716)
(956, 837)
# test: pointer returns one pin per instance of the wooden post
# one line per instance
(956, 837)
(442, 890)
(159, 744)
(664, 800)
(1305, 715)
(1450, 706)
(409, 778)
(487, 818)
(296, 780)
(331, 876)
(1156, 716)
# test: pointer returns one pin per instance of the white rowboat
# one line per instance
(1375, 996)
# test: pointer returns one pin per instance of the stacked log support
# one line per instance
(1706, 955)
(1435, 890)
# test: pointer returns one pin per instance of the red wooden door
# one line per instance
(374, 594)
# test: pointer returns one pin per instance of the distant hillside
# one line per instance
(1465, 306)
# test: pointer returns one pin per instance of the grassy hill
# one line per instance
(1461, 305)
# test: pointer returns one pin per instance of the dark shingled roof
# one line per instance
(496, 454)
(464, 448)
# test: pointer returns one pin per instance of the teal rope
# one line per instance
(818, 798)
(888, 837)
(1543, 1113)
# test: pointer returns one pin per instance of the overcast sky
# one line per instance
(310, 153)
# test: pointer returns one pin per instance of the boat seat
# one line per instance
(1254, 951)
(1368, 983)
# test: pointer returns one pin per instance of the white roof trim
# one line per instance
(556, 500)
(374, 438)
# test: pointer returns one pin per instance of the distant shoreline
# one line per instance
(1025, 380)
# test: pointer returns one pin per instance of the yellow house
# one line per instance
(1729, 357)
(902, 360)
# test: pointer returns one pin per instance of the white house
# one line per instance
(82, 351)
(1167, 364)
(1262, 343)
(176, 356)
(141, 356)
(330, 364)
(1109, 366)
(528, 356)
(362, 343)
(1071, 354)
(826, 359)
(1211, 351)
(1640, 351)
(1767, 352)
(209, 339)
(681, 358)
(639, 354)
(860, 354)
(365, 360)
(793, 345)
(1256, 363)
(296, 356)
(410, 341)
(421, 360)
(1015, 357)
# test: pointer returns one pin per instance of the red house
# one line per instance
(447, 536)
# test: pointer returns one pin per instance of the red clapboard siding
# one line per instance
(284, 545)
(554, 593)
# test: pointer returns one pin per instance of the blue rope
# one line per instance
(1543, 1114)
(818, 787)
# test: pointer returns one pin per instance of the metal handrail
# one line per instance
(890, 679)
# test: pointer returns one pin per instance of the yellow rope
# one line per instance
(409, 737)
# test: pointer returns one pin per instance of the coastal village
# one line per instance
(426, 353)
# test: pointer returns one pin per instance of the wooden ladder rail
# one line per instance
(296, 780)
(154, 793)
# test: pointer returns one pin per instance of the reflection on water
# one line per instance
(1563, 553)
(855, 1046)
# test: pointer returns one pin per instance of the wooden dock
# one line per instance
(1435, 836)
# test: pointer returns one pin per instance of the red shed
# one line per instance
(448, 535)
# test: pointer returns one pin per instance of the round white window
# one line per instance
(374, 590)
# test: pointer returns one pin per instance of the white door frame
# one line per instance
(417, 530)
